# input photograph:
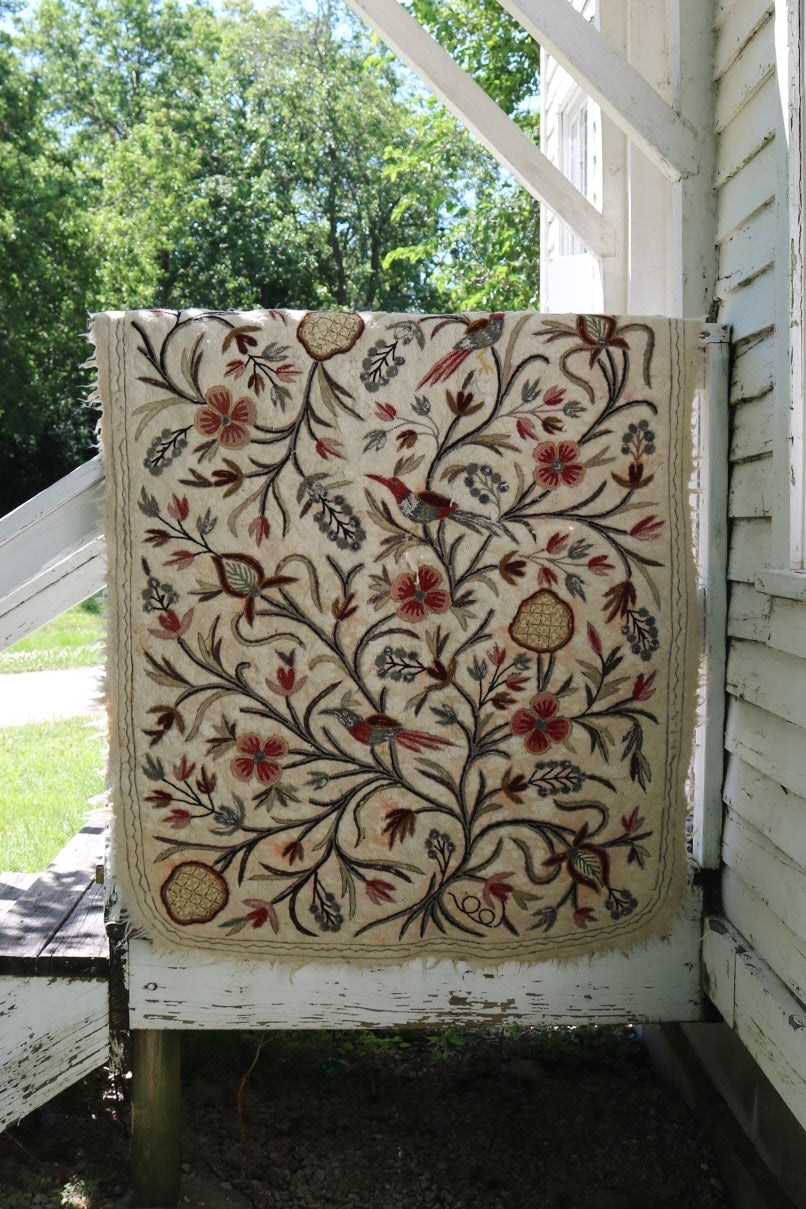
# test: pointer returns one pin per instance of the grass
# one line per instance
(73, 640)
(49, 771)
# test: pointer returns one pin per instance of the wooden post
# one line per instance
(155, 1117)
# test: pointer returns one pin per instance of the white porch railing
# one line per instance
(52, 552)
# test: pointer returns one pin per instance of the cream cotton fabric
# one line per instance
(403, 630)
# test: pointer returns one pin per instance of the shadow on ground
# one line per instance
(511, 1119)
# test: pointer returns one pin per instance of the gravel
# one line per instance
(512, 1119)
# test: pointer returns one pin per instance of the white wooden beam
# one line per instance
(621, 91)
(693, 253)
(712, 560)
(513, 149)
(55, 1031)
(659, 980)
(51, 552)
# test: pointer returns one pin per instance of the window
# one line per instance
(574, 149)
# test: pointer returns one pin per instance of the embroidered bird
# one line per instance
(424, 507)
(481, 333)
(380, 728)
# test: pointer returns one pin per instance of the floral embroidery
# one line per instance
(224, 420)
(558, 464)
(258, 758)
(410, 681)
(539, 726)
(419, 595)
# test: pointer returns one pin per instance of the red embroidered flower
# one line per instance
(558, 463)
(183, 770)
(379, 891)
(224, 420)
(258, 758)
(170, 624)
(497, 888)
(418, 596)
(177, 818)
(287, 682)
(539, 725)
(554, 396)
(259, 912)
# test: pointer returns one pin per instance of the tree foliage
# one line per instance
(172, 153)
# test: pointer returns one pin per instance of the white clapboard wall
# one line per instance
(756, 967)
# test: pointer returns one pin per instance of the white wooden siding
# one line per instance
(757, 977)
(766, 1017)
(751, 433)
(748, 72)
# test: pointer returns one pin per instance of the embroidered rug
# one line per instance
(403, 633)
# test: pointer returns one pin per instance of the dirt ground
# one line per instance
(513, 1119)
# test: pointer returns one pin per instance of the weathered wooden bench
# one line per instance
(54, 966)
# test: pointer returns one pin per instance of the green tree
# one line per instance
(491, 258)
(172, 153)
(45, 271)
(238, 159)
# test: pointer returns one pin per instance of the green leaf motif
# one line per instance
(241, 577)
(587, 864)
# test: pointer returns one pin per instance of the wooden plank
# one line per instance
(724, 9)
(651, 254)
(484, 119)
(770, 873)
(12, 887)
(736, 29)
(621, 91)
(748, 613)
(693, 252)
(751, 488)
(748, 132)
(81, 937)
(751, 434)
(788, 626)
(80, 573)
(155, 1118)
(783, 951)
(610, 189)
(748, 251)
(746, 192)
(749, 549)
(48, 540)
(53, 1032)
(752, 373)
(168, 991)
(751, 68)
(790, 521)
(752, 306)
(30, 924)
(788, 584)
(776, 813)
(712, 432)
(771, 680)
(768, 744)
(763, 1012)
